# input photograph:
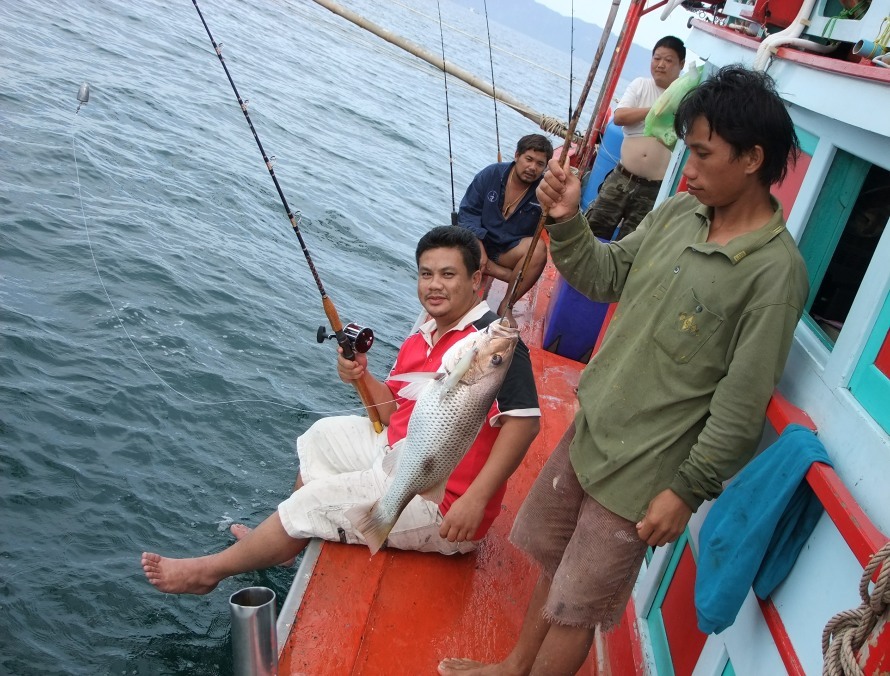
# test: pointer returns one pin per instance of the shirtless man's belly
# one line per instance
(645, 156)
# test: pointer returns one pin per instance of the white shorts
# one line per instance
(341, 464)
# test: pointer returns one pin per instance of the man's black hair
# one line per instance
(673, 43)
(743, 108)
(452, 237)
(537, 142)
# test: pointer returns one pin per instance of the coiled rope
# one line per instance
(846, 632)
(557, 127)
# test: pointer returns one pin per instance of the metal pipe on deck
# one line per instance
(254, 638)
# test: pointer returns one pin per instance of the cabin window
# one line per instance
(839, 242)
(845, 9)
(870, 383)
(833, 8)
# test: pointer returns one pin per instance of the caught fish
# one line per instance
(452, 405)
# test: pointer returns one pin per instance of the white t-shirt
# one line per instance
(641, 93)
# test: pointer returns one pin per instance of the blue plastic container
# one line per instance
(606, 158)
(572, 323)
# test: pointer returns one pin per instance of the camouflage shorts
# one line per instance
(620, 197)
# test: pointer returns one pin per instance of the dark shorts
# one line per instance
(620, 197)
(494, 250)
(591, 555)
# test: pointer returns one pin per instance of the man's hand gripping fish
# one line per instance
(452, 405)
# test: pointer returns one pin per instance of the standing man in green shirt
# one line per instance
(710, 288)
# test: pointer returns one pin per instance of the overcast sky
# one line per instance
(649, 30)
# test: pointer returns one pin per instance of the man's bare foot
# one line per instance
(240, 531)
(178, 576)
(460, 665)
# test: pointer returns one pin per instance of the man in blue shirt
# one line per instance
(501, 209)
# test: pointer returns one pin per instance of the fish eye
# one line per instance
(496, 360)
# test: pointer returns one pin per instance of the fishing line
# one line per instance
(347, 347)
(83, 97)
(447, 119)
(474, 38)
(571, 59)
(494, 91)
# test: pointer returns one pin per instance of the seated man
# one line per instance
(341, 457)
(501, 209)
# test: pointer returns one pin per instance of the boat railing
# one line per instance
(857, 530)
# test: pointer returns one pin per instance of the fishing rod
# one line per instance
(564, 153)
(351, 338)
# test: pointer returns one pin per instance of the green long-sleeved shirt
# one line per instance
(675, 398)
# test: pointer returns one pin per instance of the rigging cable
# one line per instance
(494, 91)
(327, 304)
(447, 118)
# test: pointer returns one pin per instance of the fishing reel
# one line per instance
(360, 338)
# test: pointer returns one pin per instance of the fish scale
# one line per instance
(443, 426)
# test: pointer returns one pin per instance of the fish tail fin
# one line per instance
(370, 523)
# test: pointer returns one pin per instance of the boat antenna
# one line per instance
(447, 118)
(564, 153)
(343, 339)
(494, 91)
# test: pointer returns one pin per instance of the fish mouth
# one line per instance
(502, 329)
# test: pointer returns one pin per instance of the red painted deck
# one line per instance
(402, 612)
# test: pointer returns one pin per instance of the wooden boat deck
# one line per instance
(402, 612)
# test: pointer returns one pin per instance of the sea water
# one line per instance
(157, 317)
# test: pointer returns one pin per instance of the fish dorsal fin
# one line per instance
(391, 461)
(417, 382)
(436, 493)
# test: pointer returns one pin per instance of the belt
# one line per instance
(634, 177)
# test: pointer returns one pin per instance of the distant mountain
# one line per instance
(554, 29)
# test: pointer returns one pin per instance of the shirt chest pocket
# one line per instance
(530, 210)
(687, 326)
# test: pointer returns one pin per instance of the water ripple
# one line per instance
(157, 352)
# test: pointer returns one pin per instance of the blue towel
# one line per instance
(756, 528)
